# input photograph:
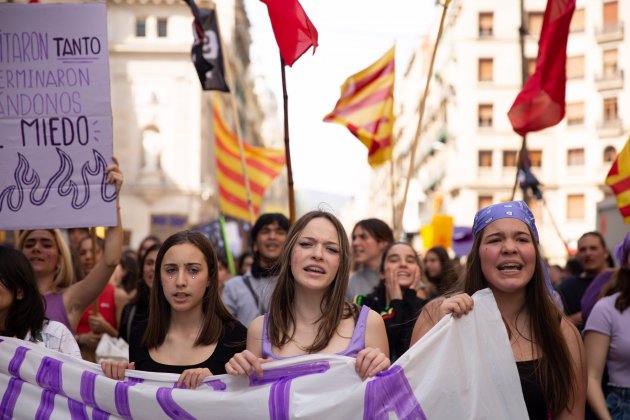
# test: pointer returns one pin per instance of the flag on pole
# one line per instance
(206, 54)
(541, 102)
(366, 108)
(618, 180)
(294, 31)
(263, 166)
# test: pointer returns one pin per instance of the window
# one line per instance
(577, 22)
(575, 67)
(509, 158)
(141, 27)
(575, 113)
(610, 60)
(486, 22)
(484, 201)
(485, 115)
(610, 109)
(161, 27)
(610, 154)
(485, 69)
(611, 15)
(575, 206)
(534, 23)
(575, 157)
(485, 158)
(535, 157)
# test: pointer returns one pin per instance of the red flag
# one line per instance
(294, 31)
(540, 104)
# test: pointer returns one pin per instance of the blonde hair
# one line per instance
(64, 272)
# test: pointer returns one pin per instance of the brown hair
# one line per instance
(334, 308)
(554, 369)
(215, 315)
(64, 273)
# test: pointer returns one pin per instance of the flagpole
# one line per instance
(555, 226)
(522, 32)
(228, 73)
(287, 149)
(419, 127)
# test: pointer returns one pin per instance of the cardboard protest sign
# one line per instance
(55, 117)
(462, 369)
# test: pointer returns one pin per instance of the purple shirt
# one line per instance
(591, 295)
(357, 342)
(56, 310)
(607, 320)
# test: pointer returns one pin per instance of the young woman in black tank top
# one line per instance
(549, 354)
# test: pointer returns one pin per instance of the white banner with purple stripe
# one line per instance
(461, 369)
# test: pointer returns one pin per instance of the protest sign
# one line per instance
(55, 117)
(462, 369)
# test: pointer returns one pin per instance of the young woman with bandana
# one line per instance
(547, 348)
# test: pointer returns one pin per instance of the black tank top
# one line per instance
(532, 392)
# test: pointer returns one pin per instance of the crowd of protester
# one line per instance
(312, 288)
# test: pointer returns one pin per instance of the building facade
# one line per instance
(467, 153)
(163, 132)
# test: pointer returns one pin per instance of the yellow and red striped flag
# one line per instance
(366, 108)
(263, 166)
(618, 180)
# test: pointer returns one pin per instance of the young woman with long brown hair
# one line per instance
(308, 312)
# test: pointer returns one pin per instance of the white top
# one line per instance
(56, 336)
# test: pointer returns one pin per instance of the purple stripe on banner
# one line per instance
(165, 399)
(133, 381)
(390, 392)
(77, 410)
(98, 414)
(49, 374)
(16, 361)
(10, 397)
(281, 379)
(88, 383)
(46, 405)
(217, 385)
(121, 396)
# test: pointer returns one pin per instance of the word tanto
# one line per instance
(83, 46)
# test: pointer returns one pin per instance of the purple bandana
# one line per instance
(511, 210)
(622, 250)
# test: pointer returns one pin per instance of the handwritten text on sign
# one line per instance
(55, 116)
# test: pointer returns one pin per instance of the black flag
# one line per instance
(206, 50)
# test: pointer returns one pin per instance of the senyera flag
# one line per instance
(618, 180)
(294, 31)
(541, 102)
(366, 108)
(263, 166)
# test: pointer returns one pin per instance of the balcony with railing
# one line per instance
(610, 127)
(609, 32)
(609, 80)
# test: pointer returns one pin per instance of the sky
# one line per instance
(352, 35)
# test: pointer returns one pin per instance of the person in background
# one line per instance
(127, 273)
(245, 262)
(369, 238)
(247, 296)
(593, 256)
(137, 310)
(394, 298)
(439, 270)
(146, 243)
(607, 343)
(189, 331)
(308, 312)
(224, 272)
(75, 235)
(49, 256)
(546, 346)
(22, 307)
